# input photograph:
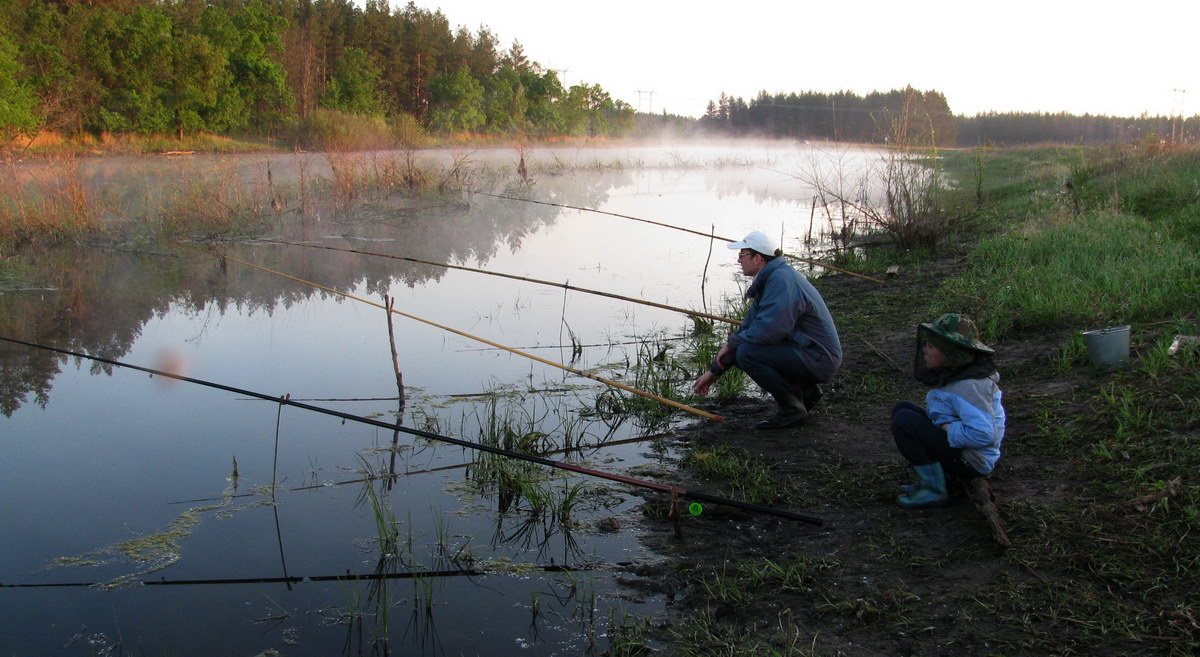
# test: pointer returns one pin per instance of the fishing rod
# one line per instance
(429, 435)
(544, 361)
(611, 214)
(343, 577)
(810, 261)
(565, 286)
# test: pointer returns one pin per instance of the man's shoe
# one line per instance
(791, 412)
(810, 393)
(782, 421)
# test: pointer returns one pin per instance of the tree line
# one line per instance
(901, 116)
(910, 117)
(255, 66)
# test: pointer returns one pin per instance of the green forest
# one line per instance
(293, 68)
(909, 117)
(259, 66)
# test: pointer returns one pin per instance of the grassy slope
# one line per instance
(1099, 486)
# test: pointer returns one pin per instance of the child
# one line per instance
(960, 430)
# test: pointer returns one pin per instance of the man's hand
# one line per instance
(702, 384)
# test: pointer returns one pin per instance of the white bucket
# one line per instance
(1108, 347)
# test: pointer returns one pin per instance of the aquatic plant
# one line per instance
(151, 553)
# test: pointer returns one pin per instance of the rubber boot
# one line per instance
(932, 488)
(809, 393)
(791, 412)
(914, 486)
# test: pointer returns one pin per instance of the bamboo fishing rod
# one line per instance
(565, 286)
(429, 435)
(544, 361)
(810, 261)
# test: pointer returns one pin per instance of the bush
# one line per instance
(332, 130)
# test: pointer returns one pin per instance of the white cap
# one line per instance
(756, 241)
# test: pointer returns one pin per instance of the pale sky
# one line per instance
(1095, 57)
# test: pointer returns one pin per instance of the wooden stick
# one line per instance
(981, 494)
(885, 357)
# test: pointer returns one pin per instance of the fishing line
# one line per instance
(565, 286)
(817, 263)
(544, 361)
(466, 444)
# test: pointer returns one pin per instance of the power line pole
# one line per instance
(562, 74)
(1177, 107)
(651, 92)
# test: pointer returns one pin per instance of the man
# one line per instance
(787, 343)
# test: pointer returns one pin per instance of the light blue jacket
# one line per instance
(786, 307)
(976, 417)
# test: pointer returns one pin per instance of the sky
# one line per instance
(1094, 57)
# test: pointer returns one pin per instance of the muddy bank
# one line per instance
(874, 579)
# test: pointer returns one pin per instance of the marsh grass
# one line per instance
(543, 498)
(701, 344)
(656, 372)
(60, 208)
(627, 635)
(210, 205)
(52, 210)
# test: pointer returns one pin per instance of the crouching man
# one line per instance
(787, 344)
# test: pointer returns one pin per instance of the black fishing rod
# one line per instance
(343, 577)
(443, 468)
(710, 236)
(466, 444)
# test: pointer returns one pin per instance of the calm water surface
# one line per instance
(139, 510)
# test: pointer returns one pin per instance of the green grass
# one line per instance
(746, 477)
(1087, 272)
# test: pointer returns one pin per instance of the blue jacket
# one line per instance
(786, 306)
(976, 417)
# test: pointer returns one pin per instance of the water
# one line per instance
(158, 493)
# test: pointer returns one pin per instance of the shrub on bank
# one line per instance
(333, 130)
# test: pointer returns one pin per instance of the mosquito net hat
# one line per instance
(955, 336)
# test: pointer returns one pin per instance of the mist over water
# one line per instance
(137, 479)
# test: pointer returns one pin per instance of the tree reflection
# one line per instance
(97, 300)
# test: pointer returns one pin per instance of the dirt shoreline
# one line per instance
(884, 578)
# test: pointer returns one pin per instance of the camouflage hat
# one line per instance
(959, 330)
